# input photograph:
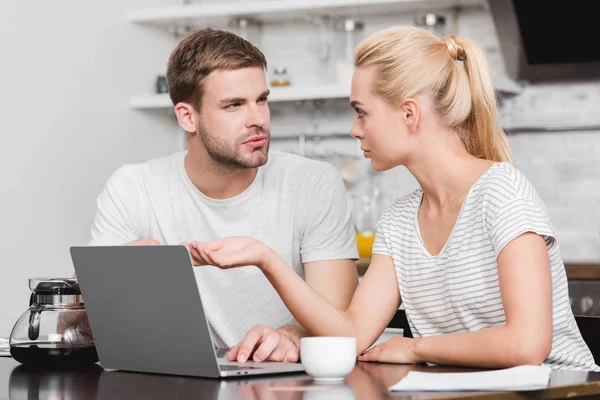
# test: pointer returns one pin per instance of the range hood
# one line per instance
(545, 41)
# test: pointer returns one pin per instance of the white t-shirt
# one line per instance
(458, 289)
(297, 206)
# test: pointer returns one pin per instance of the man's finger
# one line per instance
(233, 352)
(267, 346)
(292, 355)
(253, 337)
(280, 351)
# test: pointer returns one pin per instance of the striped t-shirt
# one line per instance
(458, 289)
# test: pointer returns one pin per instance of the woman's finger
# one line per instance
(371, 355)
(196, 261)
(201, 254)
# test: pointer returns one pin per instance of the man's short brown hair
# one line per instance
(202, 52)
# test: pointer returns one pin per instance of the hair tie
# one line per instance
(456, 51)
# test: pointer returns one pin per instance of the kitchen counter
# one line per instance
(366, 381)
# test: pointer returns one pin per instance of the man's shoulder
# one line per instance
(159, 168)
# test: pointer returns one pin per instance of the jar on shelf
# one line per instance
(161, 84)
(280, 77)
(347, 35)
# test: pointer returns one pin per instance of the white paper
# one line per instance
(524, 377)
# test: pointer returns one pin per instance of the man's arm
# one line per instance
(319, 275)
(328, 248)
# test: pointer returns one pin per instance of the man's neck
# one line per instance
(215, 180)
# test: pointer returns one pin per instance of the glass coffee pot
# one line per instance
(54, 330)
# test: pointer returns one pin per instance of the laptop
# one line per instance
(146, 313)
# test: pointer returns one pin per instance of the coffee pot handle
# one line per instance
(34, 323)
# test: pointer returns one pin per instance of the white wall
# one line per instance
(68, 70)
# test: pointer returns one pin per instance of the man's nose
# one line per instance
(257, 116)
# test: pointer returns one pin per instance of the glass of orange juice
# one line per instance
(364, 241)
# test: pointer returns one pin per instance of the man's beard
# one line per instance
(228, 155)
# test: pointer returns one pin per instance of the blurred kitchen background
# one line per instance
(83, 93)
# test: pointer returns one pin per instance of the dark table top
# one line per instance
(366, 381)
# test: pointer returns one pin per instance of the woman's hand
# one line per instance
(230, 252)
(398, 350)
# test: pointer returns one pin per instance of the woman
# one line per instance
(471, 254)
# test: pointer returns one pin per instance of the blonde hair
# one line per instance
(411, 61)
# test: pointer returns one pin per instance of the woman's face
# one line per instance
(383, 135)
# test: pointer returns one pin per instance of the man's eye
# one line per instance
(262, 100)
(232, 106)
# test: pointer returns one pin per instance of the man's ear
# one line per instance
(187, 117)
(411, 113)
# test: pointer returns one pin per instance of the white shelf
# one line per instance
(278, 94)
(280, 10)
(296, 93)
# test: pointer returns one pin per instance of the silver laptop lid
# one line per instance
(144, 309)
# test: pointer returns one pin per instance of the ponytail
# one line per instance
(481, 133)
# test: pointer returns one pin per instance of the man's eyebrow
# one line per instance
(231, 100)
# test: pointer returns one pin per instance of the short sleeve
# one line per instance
(116, 221)
(382, 240)
(328, 231)
(516, 218)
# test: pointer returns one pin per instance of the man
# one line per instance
(228, 184)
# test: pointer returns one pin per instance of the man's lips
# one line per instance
(256, 141)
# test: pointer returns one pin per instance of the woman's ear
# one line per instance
(411, 113)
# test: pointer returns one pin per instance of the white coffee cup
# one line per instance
(327, 358)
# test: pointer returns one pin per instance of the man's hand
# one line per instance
(266, 344)
(143, 242)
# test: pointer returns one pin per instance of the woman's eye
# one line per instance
(359, 112)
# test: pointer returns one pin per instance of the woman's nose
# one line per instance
(355, 132)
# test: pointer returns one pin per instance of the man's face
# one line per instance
(234, 123)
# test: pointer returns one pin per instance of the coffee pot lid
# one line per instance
(54, 286)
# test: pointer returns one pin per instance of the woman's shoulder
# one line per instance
(502, 185)
(505, 182)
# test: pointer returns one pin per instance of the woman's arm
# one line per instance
(373, 305)
(526, 290)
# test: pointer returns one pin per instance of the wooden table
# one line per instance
(367, 381)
